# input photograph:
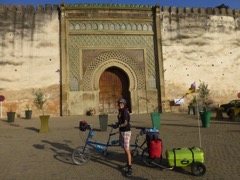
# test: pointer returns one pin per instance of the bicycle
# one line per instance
(81, 155)
(137, 147)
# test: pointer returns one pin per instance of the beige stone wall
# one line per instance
(201, 45)
(197, 45)
(29, 57)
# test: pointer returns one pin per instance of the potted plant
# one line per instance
(11, 114)
(204, 102)
(39, 101)
(28, 112)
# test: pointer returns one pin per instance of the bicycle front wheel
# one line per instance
(150, 162)
(80, 155)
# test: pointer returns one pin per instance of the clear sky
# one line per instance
(232, 4)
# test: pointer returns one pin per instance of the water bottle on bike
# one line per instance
(100, 148)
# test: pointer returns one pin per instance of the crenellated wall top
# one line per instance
(164, 9)
(28, 8)
(201, 11)
(102, 5)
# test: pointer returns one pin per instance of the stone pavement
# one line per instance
(27, 154)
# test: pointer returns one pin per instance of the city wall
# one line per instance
(201, 45)
(198, 45)
(29, 57)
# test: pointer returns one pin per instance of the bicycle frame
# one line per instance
(81, 154)
(94, 144)
(135, 145)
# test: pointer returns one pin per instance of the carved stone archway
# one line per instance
(109, 59)
(121, 61)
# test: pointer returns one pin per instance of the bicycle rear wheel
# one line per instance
(150, 162)
(81, 157)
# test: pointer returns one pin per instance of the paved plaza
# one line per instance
(27, 154)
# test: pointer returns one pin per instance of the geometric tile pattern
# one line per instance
(113, 57)
(109, 26)
(75, 42)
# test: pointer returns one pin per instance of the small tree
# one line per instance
(204, 94)
(39, 100)
(150, 102)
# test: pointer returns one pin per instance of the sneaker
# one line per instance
(129, 172)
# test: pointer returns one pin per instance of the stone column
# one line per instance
(64, 65)
(159, 58)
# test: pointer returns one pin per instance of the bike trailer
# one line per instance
(181, 157)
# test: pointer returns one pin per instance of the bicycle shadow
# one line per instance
(62, 152)
(112, 160)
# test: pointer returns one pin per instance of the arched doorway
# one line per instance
(113, 84)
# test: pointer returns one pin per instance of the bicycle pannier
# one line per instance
(152, 134)
(83, 125)
(155, 148)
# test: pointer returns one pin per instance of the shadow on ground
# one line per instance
(32, 129)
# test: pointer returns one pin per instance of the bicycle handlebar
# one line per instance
(143, 130)
(113, 126)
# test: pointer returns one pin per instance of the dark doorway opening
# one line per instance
(113, 84)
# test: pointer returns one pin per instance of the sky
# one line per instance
(232, 4)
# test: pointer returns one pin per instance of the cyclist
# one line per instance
(125, 133)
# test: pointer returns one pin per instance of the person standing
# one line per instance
(124, 133)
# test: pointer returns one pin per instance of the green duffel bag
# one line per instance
(181, 157)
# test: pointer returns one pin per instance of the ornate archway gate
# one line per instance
(113, 84)
(100, 39)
